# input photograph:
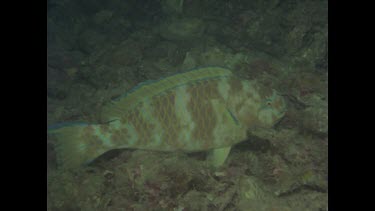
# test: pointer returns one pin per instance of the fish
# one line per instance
(204, 109)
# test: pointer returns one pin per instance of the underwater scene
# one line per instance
(213, 105)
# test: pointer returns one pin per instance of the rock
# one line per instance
(213, 56)
(315, 118)
(306, 85)
(182, 29)
(90, 41)
(189, 62)
(102, 16)
(108, 174)
(250, 188)
(172, 7)
(127, 53)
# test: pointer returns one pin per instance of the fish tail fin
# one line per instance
(74, 145)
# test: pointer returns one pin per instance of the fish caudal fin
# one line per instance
(74, 145)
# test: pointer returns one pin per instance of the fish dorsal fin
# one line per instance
(148, 89)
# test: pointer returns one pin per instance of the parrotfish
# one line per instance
(205, 109)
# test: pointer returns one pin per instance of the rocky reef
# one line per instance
(99, 50)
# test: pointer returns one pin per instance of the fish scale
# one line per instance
(205, 109)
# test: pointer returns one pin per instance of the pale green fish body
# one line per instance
(203, 109)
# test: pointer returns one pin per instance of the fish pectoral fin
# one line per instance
(218, 156)
(232, 117)
(226, 115)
